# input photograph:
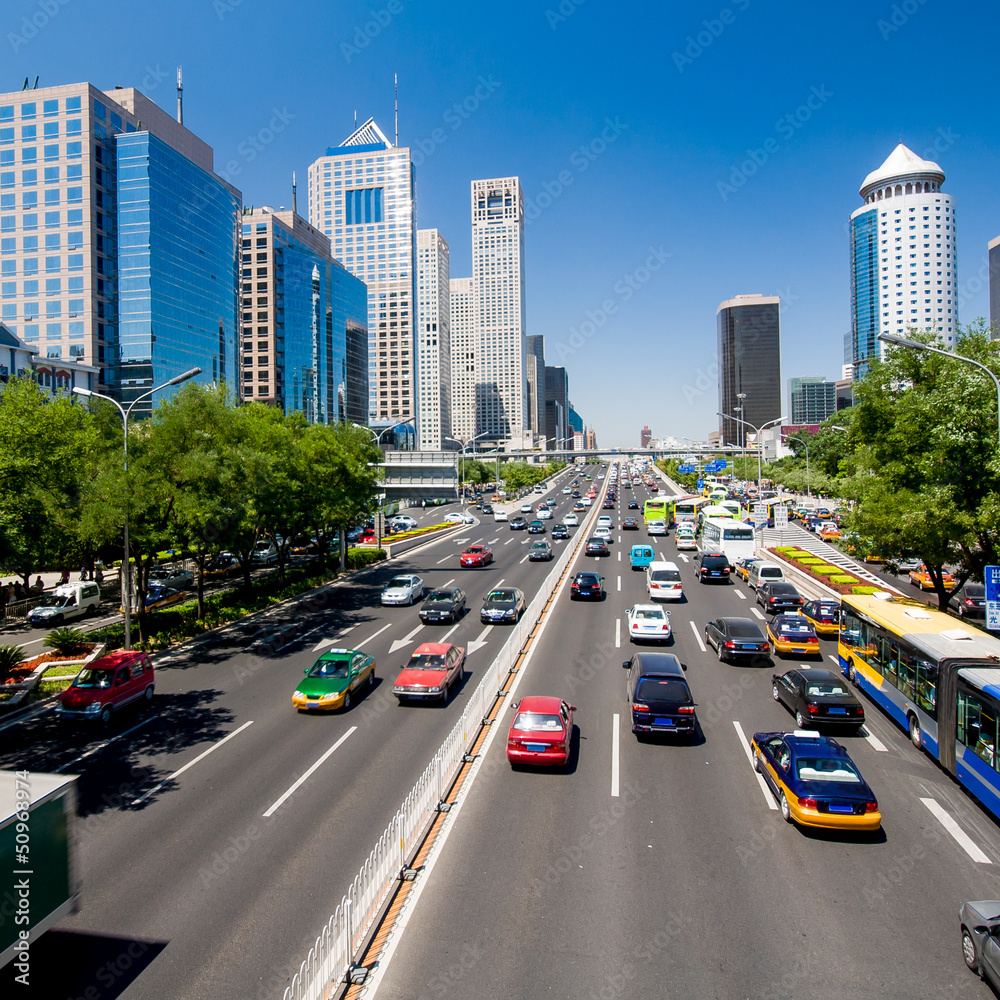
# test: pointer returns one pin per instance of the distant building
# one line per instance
(645, 436)
(845, 387)
(713, 439)
(21, 360)
(556, 407)
(591, 439)
(433, 340)
(811, 399)
(534, 362)
(994, 251)
(464, 344)
(749, 352)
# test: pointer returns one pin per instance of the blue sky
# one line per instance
(629, 128)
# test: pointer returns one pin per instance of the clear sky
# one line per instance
(629, 128)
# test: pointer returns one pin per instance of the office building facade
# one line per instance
(749, 346)
(811, 399)
(534, 378)
(645, 436)
(433, 340)
(362, 196)
(556, 407)
(904, 265)
(498, 295)
(305, 321)
(464, 344)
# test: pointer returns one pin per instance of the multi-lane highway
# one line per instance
(663, 869)
(220, 829)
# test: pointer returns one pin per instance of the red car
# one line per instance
(107, 685)
(477, 555)
(432, 670)
(541, 731)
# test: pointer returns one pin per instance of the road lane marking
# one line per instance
(102, 745)
(447, 583)
(875, 742)
(619, 583)
(191, 763)
(406, 640)
(444, 560)
(962, 838)
(684, 557)
(305, 777)
(697, 635)
(614, 755)
(741, 595)
(618, 633)
(450, 631)
(757, 613)
(768, 797)
(619, 557)
(500, 584)
(374, 636)
(493, 541)
(475, 644)
(524, 558)
(836, 659)
(509, 540)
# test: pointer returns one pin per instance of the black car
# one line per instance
(971, 601)
(505, 604)
(560, 531)
(736, 637)
(487, 508)
(443, 606)
(536, 528)
(658, 694)
(633, 505)
(597, 547)
(608, 505)
(577, 494)
(518, 523)
(816, 695)
(630, 524)
(779, 596)
(712, 566)
(587, 585)
(539, 551)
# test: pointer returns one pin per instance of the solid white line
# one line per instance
(191, 763)
(298, 784)
(757, 613)
(741, 595)
(618, 633)
(509, 540)
(619, 583)
(697, 635)
(374, 636)
(448, 634)
(614, 755)
(447, 583)
(444, 560)
(875, 742)
(768, 797)
(836, 659)
(101, 746)
(964, 840)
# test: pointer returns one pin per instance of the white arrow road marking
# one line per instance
(475, 644)
(399, 643)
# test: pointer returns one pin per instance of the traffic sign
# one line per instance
(780, 516)
(700, 484)
(992, 578)
(722, 463)
(759, 513)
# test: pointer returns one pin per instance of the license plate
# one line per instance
(838, 711)
(746, 646)
(536, 747)
(841, 809)
(664, 722)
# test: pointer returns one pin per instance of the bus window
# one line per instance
(927, 686)
(890, 662)
(850, 629)
(907, 682)
(977, 727)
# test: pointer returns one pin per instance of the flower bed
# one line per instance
(834, 577)
(23, 679)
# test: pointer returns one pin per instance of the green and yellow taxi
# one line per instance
(330, 682)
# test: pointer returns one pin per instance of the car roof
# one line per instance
(539, 703)
(659, 665)
(337, 654)
(115, 659)
(781, 587)
(731, 620)
(647, 607)
(432, 649)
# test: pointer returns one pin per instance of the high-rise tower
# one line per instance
(433, 340)
(464, 344)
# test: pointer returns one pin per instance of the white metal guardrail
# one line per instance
(330, 959)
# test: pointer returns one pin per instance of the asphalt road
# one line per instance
(219, 829)
(663, 869)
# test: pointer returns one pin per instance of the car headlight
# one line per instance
(93, 708)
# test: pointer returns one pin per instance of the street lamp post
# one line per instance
(760, 442)
(378, 444)
(795, 437)
(126, 577)
(890, 338)
(740, 440)
(465, 444)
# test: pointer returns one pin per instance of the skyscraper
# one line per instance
(904, 267)
(556, 407)
(645, 436)
(498, 295)
(464, 344)
(305, 321)
(361, 195)
(433, 339)
(749, 332)
(102, 197)
(812, 399)
(534, 378)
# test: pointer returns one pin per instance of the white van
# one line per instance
(663, 582)
(66, 602)
(764, 572)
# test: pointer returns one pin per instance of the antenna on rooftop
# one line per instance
(294, 200)
(35, 87)
(180, 98)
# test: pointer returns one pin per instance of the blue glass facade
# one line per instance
(864, 290)
(178, 252)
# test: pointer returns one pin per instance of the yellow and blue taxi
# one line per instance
(160, 597)
(792, 633)
(824, 616)
(815, 781)
(329, 682)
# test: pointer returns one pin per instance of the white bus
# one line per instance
(732, 538)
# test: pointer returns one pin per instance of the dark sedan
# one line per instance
(735, 638)
(779, 596)
(443, 606)
(597, 547)
(630, 524)
(505, 604)
(633, 505)
(536, 528)
(518, 523)
(587, 585)
(608, 505)
(817, 696)
(560, 531)
(971, 601)
(539, 551)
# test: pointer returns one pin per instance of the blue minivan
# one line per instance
(641, 556)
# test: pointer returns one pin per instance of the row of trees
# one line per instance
(515, 475)
(202, 476)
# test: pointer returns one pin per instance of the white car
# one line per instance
(459, 517)
(656, 528)
(178, 579)
(567, 491)
(605, 520)
(545, 514)
(663, 582)
(499, 515)
(403, 590)
(402, 522)
(650, 622)
(603, 531)
(571, 520)
(587, 501)
(526, 508)
(684, 541)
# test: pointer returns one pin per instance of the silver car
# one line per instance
(176, 579)
(403, 590)
(980, 924)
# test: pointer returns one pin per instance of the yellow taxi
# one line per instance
(920, 577)
(793, 633)
(824, 616)
(829, 532)
(160, 597)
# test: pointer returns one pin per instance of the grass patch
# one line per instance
(843, 578)
(863, 590)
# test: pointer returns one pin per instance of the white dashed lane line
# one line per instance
(697, 635)
(745, 743)
(961, 837)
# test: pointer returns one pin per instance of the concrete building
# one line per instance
(534, 360)
(21, 360)
(305, 321)
(591, 439)
(464, 344)
(102, 195)
(497, 206)
(749, 352)
(433, 340)
(811, 399)
(994, 252)
(362, 196)
(645, 436)
(904, 265)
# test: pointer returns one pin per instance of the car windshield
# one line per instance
(398, 581)
(795, 628)
(440, 597)
(822, 689)
(665, 576)
(55, 601)
(474, 550)
(331, 668)
(501, 596)
(536, 722)
(426, 661)
(826, 769)
(975, 590)
(744, 630)
(671, 689)
(648, 613)
(828, 610)
(540, 545)
(94, 679)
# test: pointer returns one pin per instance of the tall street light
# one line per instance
(890, 338)
(740, 396)
(126, 578)
(465, 444)
(802, 441)
(377, 437)
(760, 442)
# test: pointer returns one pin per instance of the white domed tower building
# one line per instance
(904, 265)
